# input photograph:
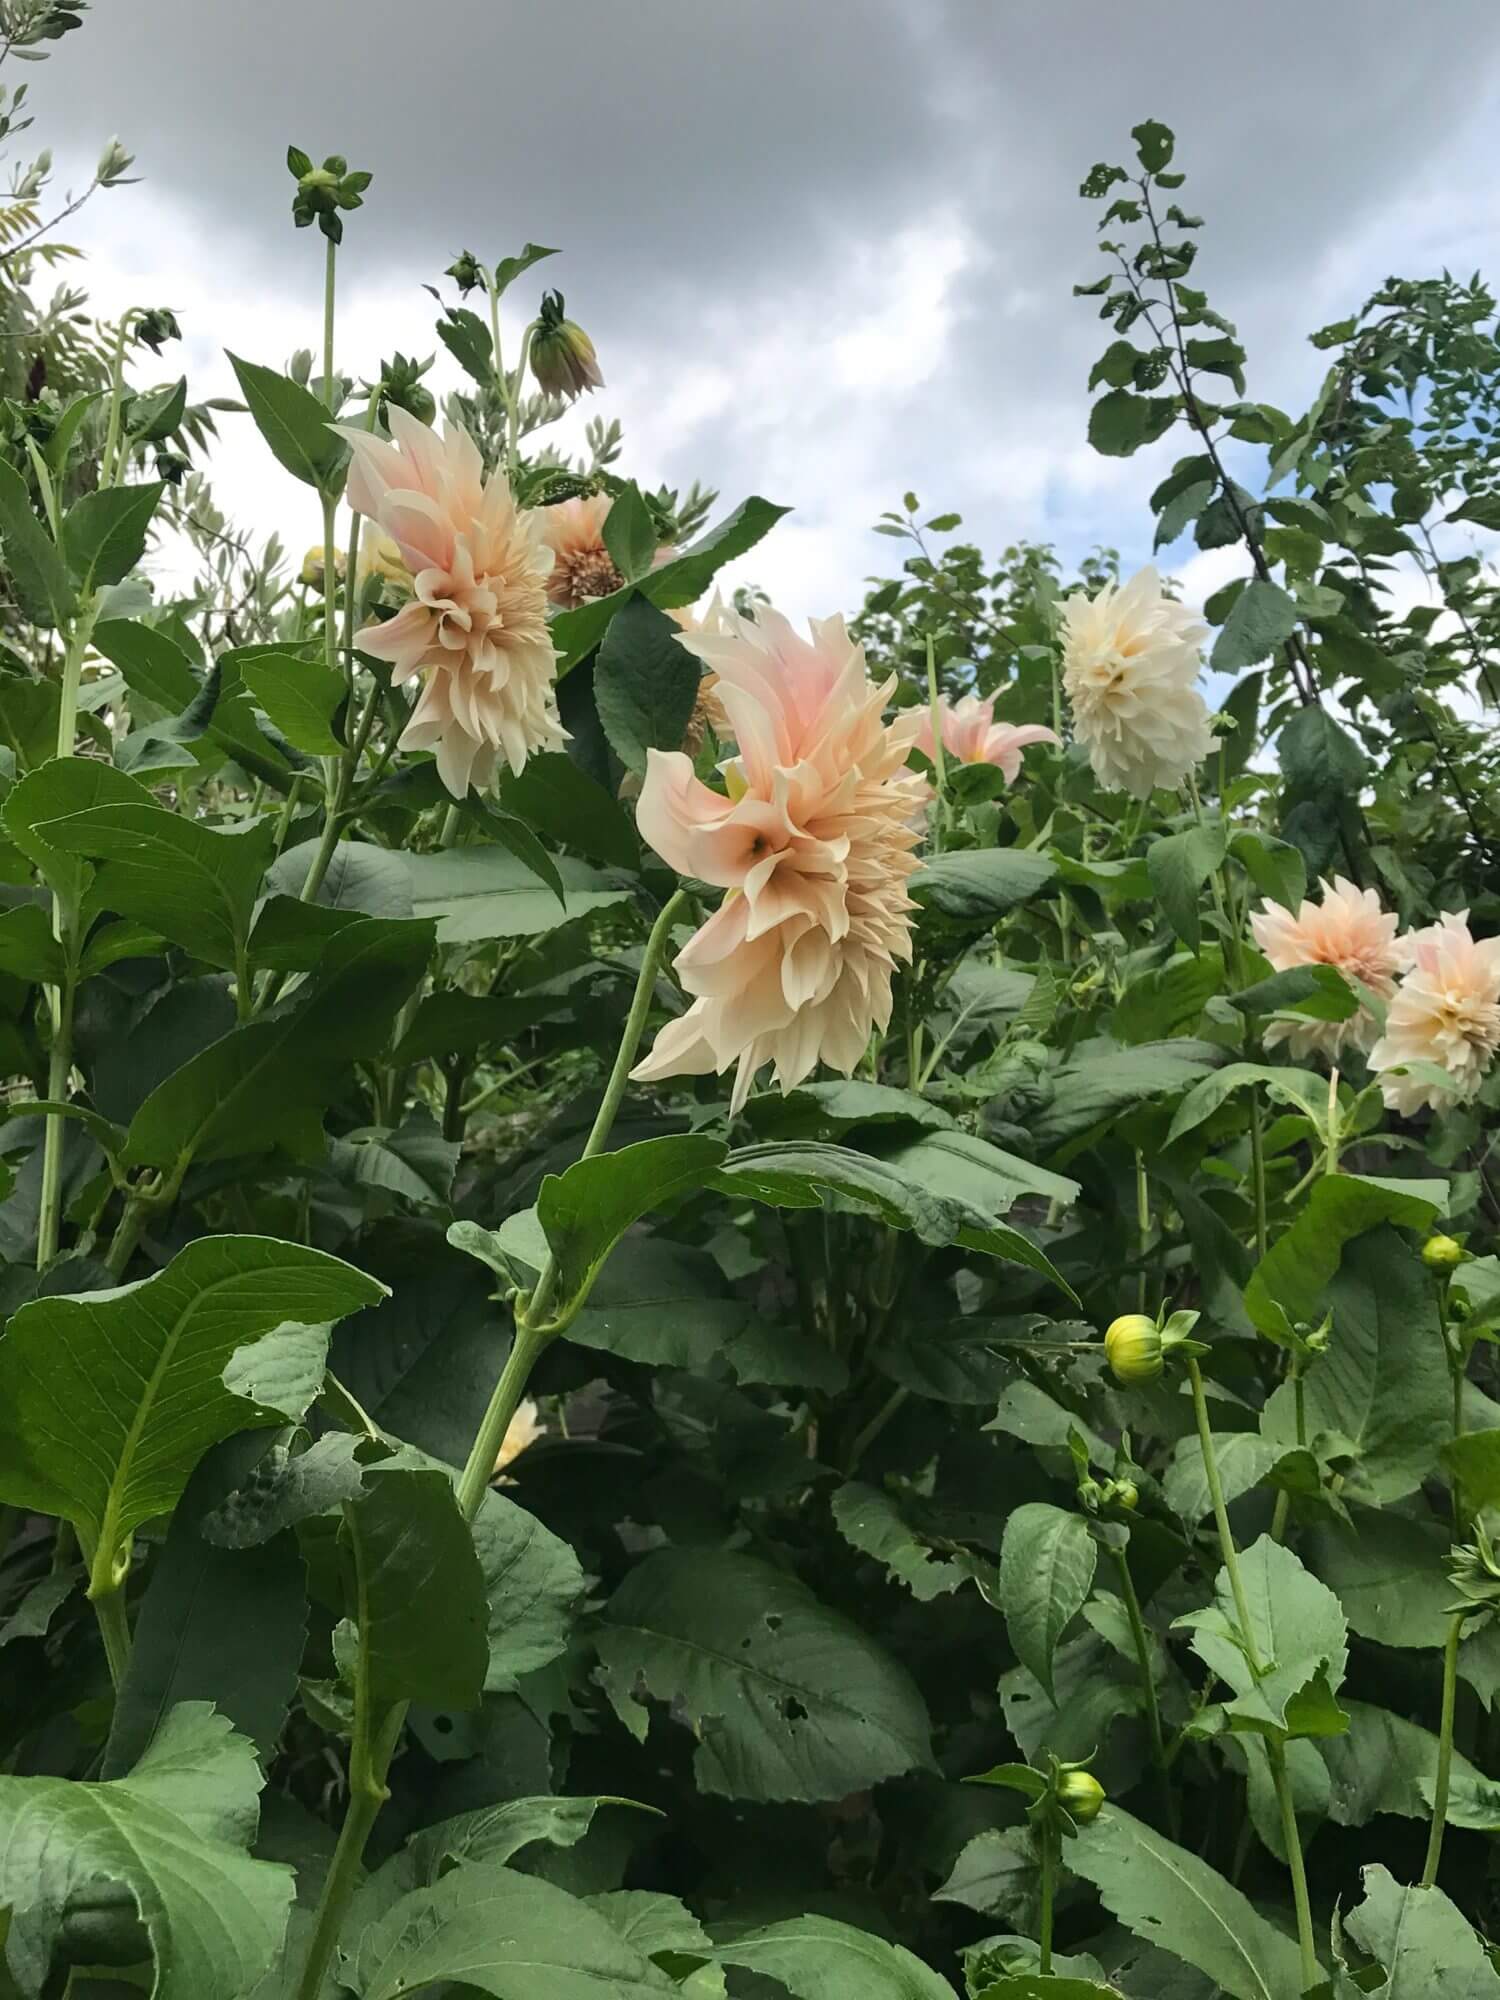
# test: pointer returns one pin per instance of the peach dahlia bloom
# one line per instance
(1348, 930)
(1130, 668)
(813, 845)
(475, 628)
(971, 735)
(582, 567)
(1446, 1012)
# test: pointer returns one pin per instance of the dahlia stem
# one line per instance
(1143, 1225)
(1142, 1644)
(1048, 1840)
(1275, 1749)
(1445, 1752)
(939, 768)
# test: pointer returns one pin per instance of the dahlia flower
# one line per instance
(1446, 1012)
(476, 625)
(1130, 667)
(582, 567)
(1348, 930)
(813, 844)
(971, 735)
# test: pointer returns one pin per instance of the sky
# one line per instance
(825, 248)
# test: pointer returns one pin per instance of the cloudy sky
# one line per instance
(825, 247)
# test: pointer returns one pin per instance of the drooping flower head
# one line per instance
(562, 355)
(582, 567)
(813, 844)
(475, 628)
(1446, 1012)
(1348, 930)
(971, 735)
(1130, 668)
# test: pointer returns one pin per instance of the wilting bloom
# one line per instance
(562, 355)
(523, 1430)
(1130, 667)
(813, 844)
(475, 628)
(1347, 930)
(582, 567)
(1446, 1012)
(971, 735)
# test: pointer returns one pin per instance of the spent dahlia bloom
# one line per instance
(582, 567)
(1446, 1012)
(813, 845)
(1130, 667)
(475, 628)
(1349, 930)
(972, 735)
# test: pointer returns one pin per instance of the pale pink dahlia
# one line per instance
(1130, 668)
(1446, 1013)
(1348, 930)
(475, 627)
(971, 735)
(813, 844)
(582, 567)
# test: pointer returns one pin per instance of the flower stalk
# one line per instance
(1445, 1750)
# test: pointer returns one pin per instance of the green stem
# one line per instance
(1275, 1751)
(368, 1765)
(939, 763)
(888, 1409)
(480, 1467)
(1284, 1497)
(1148, 1683)
(109, 472)
(128, 1233)
(1143, 1225)
(1445, 1752)
(1049, 1891)
(114, 1629)
(1258, 1173)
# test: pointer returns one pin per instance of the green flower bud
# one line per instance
(1081, 1794)
(465, 271)
(401, 383)
(157, 326)
(1443, 1253)
(1133, 1348)
(562, 355)
(1126, 1494)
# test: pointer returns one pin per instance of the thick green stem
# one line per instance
(128, 1233)
(939, 762)
(480, 1468)
(368, 1764)
(1142, 1225)
(1148, 1683)
(1258, 1174)
(1275, 1751)
(1445, 1752)
(1048, 1839)
(114, 1630)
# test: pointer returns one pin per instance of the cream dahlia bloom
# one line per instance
(476, 626)
(582, 567)
(971, 735)
(1446, 1011)
(523, 1430)
(813, 844)
(1348, 930)
(1130, 667)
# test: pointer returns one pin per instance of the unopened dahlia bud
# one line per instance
(155, 327)
(312, 566)
(465, 271)
(1081, 1794)
(562, 355)
(1443, 1253)
(401, 383)
(1125, 1493)
(1133, 1348)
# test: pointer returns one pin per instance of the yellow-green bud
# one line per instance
(1126, 1494)
(562, 355)
(1132, 1346)
(1081, 1793)
(1443, 1253)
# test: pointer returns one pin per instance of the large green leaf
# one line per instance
(266, 1084)
(478, 893)
(559, 798)
(109, 1399)
(502, 1933)
(1263, 618)
(1046, 1571)
(1383, 1384)
(819, 1959)
(976, 885)
(192, 884)
(171, 1837)
(1179, 865)
(802, 1704)
(645, 681)
(153, 664)
(1388, 1571)
(1091, 1087)
(293, 423)
(417, 1590)
(681, 581)
(219, 1625)
(585, 1211)
(1166, 1894)
(1299, 1088)
(1385, 1764)
(1428, 1949)
(104, 533)
(872, 1521)
(1288, 1283)
(533, 1585)
(302, 698)
(37, 572)
(1300, 1640)
(794, 1173)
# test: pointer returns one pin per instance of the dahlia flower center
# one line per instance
(583, 573)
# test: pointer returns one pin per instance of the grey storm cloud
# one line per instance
(742, 185)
